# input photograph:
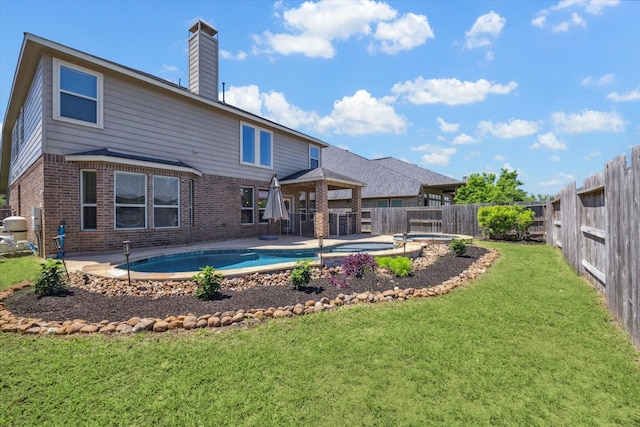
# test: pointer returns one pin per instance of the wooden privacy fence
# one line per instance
(597, 227)
(5, 211)
(453, 219)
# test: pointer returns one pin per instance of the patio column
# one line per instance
(322, 209)
(356, 206)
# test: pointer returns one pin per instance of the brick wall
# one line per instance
(216, 207)
(27, 192)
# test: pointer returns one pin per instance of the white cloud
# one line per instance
(566, 16)
(549, 140)
(592, 155)
(515, 128)
(245, 97)
(313, 28)
(508, 167)
(362, 114)
(588, 121)
(554, 158)
(436, 155)
(551, 183)
(474, 153)
(560, 179)
(632, 95)
(539, 21)
(485, 30)
(447, 127)
(500, 157)
(595, 7)
(463, 139)
(240, 56)
(600, 81)
(449, 91)
(404, 34)
(169, 68)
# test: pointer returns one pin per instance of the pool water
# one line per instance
(227, 259)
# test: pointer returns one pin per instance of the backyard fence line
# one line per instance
(452, 219)
(597, 227)
(5, 212)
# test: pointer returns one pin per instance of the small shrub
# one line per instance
(301, 274)
(208, 283)
(338, 282)
(50, 281)
(459, 246)
(357, 265)
(505, 222)
(400, 266)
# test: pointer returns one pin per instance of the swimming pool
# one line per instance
(228, 259)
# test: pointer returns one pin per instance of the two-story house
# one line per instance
(115, 154)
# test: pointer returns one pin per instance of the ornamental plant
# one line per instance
(301, 274)
(357, 265)
(400, 266)
(459, 246)
(208, 283)
(505, 222)
(50, 281)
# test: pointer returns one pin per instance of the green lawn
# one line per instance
(528, 343)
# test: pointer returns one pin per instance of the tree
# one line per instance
(485, 189)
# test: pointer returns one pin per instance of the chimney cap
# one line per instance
(201, 25)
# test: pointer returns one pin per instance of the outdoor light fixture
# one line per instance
(127, 251)
(56, 242)
(404, 243)
(321, 243)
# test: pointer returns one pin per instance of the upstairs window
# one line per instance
(314, 157)
(77, 94)
(256, 146)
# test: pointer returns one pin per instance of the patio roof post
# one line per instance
(322, 209)
(356, 206)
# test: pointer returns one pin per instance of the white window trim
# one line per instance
(312, 158)
(83, 204)
(256, 146)
(56, 95)
(117, 205)
(165, 206)
(252, 208)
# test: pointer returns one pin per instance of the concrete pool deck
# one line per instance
(103, 265)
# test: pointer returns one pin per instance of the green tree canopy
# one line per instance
(485, 189)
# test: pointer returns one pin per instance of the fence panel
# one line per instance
(5, 211)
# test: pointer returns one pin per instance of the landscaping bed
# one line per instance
(109, 305)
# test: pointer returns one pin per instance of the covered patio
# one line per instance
(306, 193)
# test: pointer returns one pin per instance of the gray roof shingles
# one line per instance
(380, 181)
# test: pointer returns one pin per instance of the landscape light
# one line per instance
(127, 250)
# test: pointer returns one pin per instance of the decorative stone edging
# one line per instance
(11, 323)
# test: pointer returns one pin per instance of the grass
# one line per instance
(528, 343)
(17, 269)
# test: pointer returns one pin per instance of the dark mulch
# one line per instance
(94, 307)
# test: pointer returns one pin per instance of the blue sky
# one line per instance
(548, 88)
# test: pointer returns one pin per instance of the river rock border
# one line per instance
(11, 323)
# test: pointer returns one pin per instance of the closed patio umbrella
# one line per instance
(275, 208)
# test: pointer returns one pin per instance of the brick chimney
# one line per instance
(203, 60)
